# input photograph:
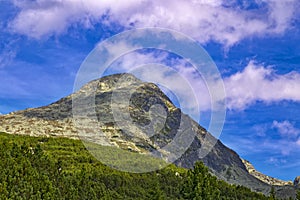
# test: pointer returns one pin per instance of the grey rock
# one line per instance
(297, 181)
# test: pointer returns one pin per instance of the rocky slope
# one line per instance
(57, 120)
(267, 179)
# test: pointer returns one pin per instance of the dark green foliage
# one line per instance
(298, 195)
(57, 168)
(200, 184)
(272, 194)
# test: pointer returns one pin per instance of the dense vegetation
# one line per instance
(59, 168)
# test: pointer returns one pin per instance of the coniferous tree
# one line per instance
(298, 195)
(272, 194)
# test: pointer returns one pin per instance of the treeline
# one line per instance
(58, 168)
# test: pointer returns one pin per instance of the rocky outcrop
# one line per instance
(20, 124)
(267, 179)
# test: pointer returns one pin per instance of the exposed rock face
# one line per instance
(267, 179)
(57, 120)
(20, 124)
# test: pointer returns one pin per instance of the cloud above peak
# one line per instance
(203, 20)
(259, 83)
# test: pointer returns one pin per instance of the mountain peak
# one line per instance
(56, 119)
(110, 82)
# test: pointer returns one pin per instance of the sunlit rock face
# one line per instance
(267, 179)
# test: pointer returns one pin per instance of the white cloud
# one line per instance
(202, 19)
(117, 49)
(42, 17)
(259, 83)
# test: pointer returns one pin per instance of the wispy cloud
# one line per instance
(217, 20)
(6, 57)
(280, 136)
(286, 129)
(281, 146)
(8, 53)
(15, 88)
(277, 139)
(260, 130)
(276, 161)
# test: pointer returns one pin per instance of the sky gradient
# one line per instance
(255, 45)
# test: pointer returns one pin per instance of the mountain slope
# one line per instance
(57, 120)
(264, 178)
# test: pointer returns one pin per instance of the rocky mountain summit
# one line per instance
(99, 107)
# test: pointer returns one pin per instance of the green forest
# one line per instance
(61, 168)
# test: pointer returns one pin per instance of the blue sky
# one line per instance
(255, 45)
